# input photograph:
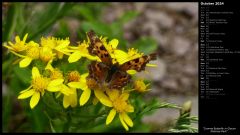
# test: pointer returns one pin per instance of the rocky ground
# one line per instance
(175, 28)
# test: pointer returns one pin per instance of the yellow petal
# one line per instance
(122, 121)
(74, 57)
(125, 96)
(26, 89)
(25, 62)
(113, 94)
(76, 85)
(119, 53)
(130, 108)
(54, 88)
(19, 55)
(10, 43)
(26, 94)
(110, 116)
(62, 45)
(17, 39)
(73, 97)
(90, 57)
(84, 97)
(8, 47)
(151, 65)
(121, 56)
(131, 72)
(25, 37)
(127, 119)
(49, 65)
(70, 99)
(65, 90)
(103, 98)
(83, 76)
(55, 82)
(34, 100)
(35, 72)
(66, 101)
(114, 43)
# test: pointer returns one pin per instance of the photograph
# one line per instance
(100, 67)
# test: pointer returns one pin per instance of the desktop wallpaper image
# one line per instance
(49, 48)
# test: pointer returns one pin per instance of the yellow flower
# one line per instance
(57, 74)
(38, 86)
(60, 46)
(46, 54)
(77, 81)
(81, 51)
(32, 52)
(19, 45)
(71, 99)
(120, 105)
(140, 86)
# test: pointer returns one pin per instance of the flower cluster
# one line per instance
(49, 78)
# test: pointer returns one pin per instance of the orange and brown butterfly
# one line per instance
(105, 73)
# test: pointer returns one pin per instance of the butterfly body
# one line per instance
(105, 74)
(114, 68)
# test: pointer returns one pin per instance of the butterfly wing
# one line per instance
(96, 47)
(98, 71)
(138, 64)
(119, 80)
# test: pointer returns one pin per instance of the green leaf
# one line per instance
(10, 22)
(37, 118)
(23, 74)
(146, 45)
(98, 27)
(183, 124)
(46, 18)
(58, 124)
(6, 112)
(63, 30)
(127, 16)
(21, 19)
(5, 68)
(86, 12)
(153, 105)
(117, 30)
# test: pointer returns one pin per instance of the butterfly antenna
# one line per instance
(153, 56)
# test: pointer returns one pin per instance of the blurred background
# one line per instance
(170, 29)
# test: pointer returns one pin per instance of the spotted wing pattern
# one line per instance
(96, 47)
(138, 64)
(119, 80)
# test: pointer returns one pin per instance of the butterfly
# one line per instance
(107, 74)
